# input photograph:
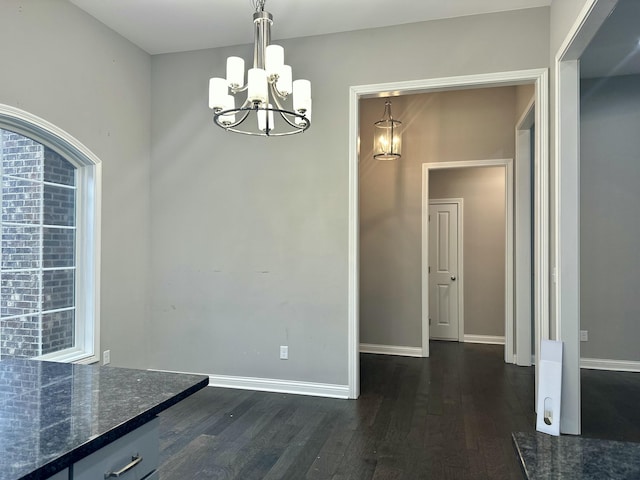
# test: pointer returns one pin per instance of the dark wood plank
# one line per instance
(446, 417)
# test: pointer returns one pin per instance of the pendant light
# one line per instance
(387, 139)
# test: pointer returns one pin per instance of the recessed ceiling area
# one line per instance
(163, 26)
(615, 49)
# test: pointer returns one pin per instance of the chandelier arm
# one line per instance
(247, 104)
(282, 110)
(275, 97)
(246, 111)
(234, 124)
(262, 134)
(292, 124)
(235, 90)
(278, 93)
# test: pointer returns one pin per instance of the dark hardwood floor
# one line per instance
(446, 417)
(610, 405)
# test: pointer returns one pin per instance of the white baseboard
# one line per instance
(492, 340)
(391, 350)
(280, 386)
(613, 365)
(274, 385)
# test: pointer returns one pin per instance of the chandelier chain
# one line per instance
(258, 5)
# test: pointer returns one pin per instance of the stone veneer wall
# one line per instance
(25, 289)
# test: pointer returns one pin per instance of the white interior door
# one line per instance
(443, 271)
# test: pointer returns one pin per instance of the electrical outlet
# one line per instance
(284, 352)
(584, 335)
(106, 357)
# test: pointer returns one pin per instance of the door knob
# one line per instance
(453, 277)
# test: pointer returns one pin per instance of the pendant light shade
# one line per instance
(387, 140)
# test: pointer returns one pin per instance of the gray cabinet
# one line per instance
(63, 475)
(134, 456)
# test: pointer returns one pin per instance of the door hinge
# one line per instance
(429, 217)
(428, 269)
(429, 321)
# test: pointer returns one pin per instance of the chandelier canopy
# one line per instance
(268, 85)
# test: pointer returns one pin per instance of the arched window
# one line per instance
(49, 249)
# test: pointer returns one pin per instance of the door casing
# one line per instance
(566, 238)
(523, 234)
(509, 252)
(540, 78)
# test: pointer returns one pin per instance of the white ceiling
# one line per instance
(162, 26)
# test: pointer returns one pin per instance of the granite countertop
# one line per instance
(576, 458)
(53, 414)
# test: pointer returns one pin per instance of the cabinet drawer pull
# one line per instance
(134, 461)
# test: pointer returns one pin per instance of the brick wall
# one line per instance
(27, 247)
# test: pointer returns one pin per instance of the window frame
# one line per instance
(88, 221)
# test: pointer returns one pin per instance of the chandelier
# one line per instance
(269, 84)
(387, 138)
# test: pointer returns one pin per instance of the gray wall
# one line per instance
(221, 214)
(609, 221)
(228, 208)
(64, 66)
(450, 126)
(483, 191)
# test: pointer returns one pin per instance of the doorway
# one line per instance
(573, 238)
(539, 78)
(500, 171)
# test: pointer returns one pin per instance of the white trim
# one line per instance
(527, 119)
(567, 239)
(537, 76)
(391, 350)
(293, 387)
(509, 253)
(522, 239)
(541, 213)
(430, 85)
(353, 336)
(587, 24)
(88, 206)
(509, 267)
(424, 320)
(460, 203)
(44, 225)
(611, 365)
(272, 385)
(488, 339)
(567, 204)
(42, 182)
(280, 386)
(26, 123)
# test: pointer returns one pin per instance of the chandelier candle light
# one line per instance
(387, 138)
(269, 83)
